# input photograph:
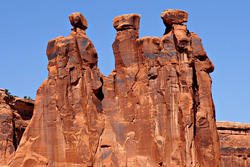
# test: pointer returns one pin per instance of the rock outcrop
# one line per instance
(154, 109)
(235, 144)
(15, 115)
(68, 117)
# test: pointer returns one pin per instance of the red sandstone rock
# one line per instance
(128, 21)
(15, 114)
(77, 20)
(174, 16)
(68, 116)
(162, 114)
(154, 109)
(235, 144)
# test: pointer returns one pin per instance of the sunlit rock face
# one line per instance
(235, 144)
(154, 109)
(15, 115)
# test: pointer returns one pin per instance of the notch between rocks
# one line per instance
(98, 92)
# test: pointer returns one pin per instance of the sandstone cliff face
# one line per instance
(235, 144)
(158, 104)
(154, 109)
(15, 115)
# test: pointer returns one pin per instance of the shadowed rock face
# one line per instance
(154, 109)
(235, 144)
(15, 115)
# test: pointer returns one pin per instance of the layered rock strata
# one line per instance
(15, 115)
(154, 109)
(235, 144)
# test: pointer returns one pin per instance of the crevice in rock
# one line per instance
(126, 27)
(195, 88)
(14, 138)
(105, 146)
(98, 92)
(114, 83)
(201, 58)
(152, 77)
(76, 82)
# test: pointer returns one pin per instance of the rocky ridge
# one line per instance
(234, 143)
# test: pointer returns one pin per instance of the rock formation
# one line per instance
(15, 115)
(154, 109)
(235, 144)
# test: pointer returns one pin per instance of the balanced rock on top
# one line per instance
(77, 20)
(174, 16)
(127, 21)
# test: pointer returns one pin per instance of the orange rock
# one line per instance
(68, 116)
(174, 16)
(158, 113)
(77, 20)
(128, 21)
(15, 115)
(235, 144)
(154, 109)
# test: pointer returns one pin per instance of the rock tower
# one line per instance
(155, 108)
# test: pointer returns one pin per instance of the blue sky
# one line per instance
(224, 26)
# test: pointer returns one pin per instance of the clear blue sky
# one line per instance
(224, 26)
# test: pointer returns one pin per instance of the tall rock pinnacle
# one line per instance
(68, 116)
(154, 109)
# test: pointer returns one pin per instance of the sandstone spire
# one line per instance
(68, 114)
(154, 109)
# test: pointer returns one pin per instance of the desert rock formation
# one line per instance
(235, 144)
(15, 115)
(154, 109)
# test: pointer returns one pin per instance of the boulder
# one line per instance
(128, 21)
(77, 20)
(174, 16)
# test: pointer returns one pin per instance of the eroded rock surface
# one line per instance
(68, 117)
(154, 109)
(15, 115)
(174, 16)
(235, 144)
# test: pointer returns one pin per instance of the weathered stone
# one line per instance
(15, 114)
(77, 20)
(68, 116)
(128, 21)
(234, 143)
(174, 16)
(154, 109)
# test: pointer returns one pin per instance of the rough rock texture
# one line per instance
(235, 144)
(77, 20)
(158, 105)
(68, 117)
(154, 109)
(15, 114)
(174, 16)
